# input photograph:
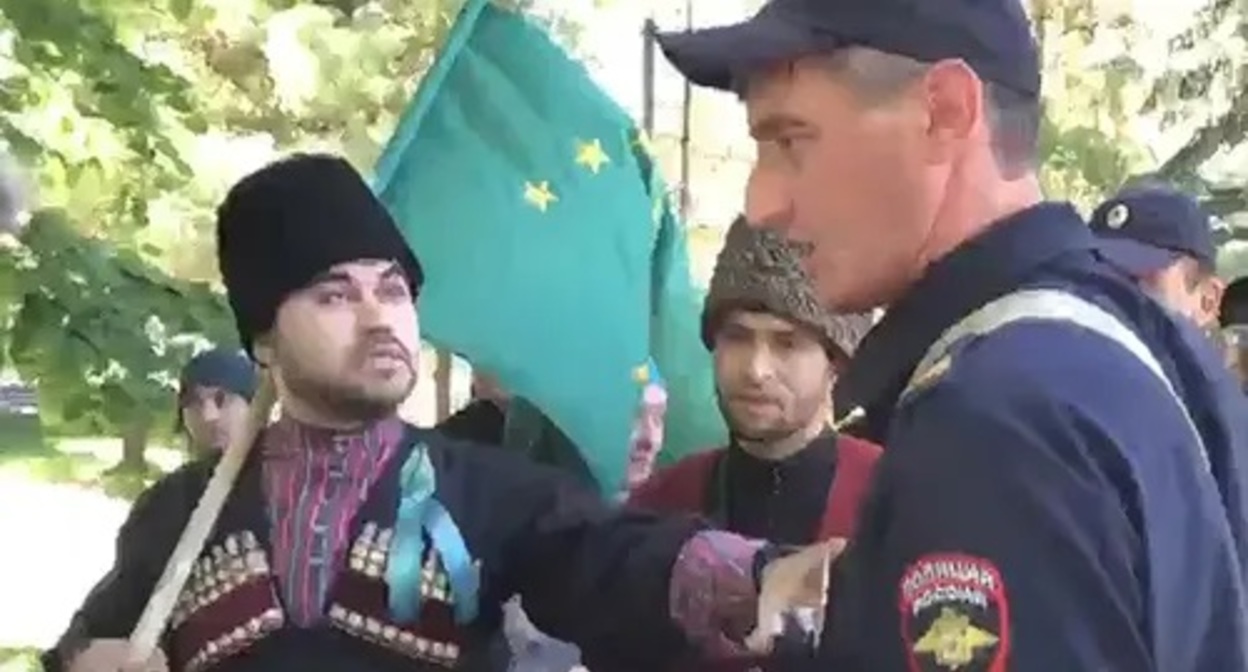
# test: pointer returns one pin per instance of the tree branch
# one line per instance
(1228, 130)
(1226, 201)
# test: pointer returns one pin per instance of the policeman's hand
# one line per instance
(113, 655)
(794, 586)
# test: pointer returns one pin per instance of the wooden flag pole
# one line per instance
(145, 637)
(442, 384)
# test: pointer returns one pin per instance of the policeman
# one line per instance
(1164, 239)
(1062, 488)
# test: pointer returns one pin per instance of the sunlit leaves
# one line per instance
(1206, 86)
(135, 116)
(102, 333)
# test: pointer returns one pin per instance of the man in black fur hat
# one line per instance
(354, 541)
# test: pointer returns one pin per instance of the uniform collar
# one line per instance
(983, 268)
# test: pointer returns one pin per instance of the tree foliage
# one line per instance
(1086, 143)
(1118, 96)
(99, 330)
(1207, 84)
(134, 117)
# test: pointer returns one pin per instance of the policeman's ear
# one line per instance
(955, 108)
(1210, 297)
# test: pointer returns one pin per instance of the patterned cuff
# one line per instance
(712, 595)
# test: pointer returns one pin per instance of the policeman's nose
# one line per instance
(768, 202)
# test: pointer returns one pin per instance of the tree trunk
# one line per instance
(134, 445)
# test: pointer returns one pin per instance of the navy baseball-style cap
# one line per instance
(1145, 229)
(993, 37)
(227, 369)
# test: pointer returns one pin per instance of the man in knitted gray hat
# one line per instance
(786, 475)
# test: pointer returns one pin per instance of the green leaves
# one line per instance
(1117, 95)
(135, 116)
(102, 333)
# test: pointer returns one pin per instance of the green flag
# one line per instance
(693, 422)
(528, 196)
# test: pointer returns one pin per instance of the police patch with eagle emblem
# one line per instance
(954, 615)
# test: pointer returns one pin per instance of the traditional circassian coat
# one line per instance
(328, 534)
(815, 493)
(246, 608)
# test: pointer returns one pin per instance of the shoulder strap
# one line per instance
(1054, 306)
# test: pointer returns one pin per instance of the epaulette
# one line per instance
(928, 376)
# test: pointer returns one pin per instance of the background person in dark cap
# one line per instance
(1063, 485)
(1164, 239)
(214, 391)
(1233, 315)
(354, 541)
(786, 476)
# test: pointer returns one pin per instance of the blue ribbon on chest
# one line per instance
(424, 527)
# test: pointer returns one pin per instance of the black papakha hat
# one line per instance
(760, 270)
(292, 220)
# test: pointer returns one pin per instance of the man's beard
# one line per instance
(347, 402)
(738, 430)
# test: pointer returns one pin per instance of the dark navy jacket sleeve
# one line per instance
(144, 542)
(588, 572)
(1005, 532)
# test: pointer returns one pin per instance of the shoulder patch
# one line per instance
(954, 615)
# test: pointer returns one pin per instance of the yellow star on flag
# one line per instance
(539, 195)
(591, 155)
(641, 373)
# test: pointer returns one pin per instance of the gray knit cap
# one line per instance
(758, 269)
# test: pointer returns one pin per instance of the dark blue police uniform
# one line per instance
(1043, 499)
(1050, 499)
